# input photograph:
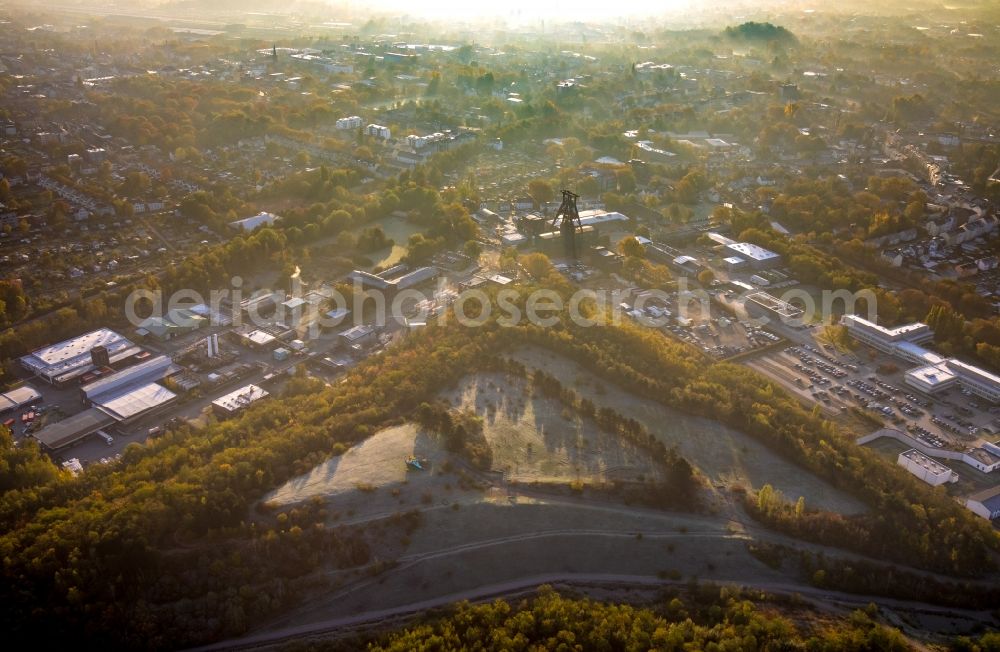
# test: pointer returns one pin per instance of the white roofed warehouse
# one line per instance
(757, 257)
(133, 392)
(928, 470)
(248, 224)
(239, 400)
(62, 363)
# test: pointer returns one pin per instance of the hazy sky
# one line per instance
(540, 9)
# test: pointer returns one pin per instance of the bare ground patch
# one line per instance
(538, 439)
(724, 455)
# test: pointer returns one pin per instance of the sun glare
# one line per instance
(549, 10)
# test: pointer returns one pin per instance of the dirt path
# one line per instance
(528, 585)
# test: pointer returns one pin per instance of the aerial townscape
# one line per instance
(331, 325)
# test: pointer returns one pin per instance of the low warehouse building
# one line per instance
(69, 431)
(931, 472)
(20, 397)
(986, 503)
(235, 402)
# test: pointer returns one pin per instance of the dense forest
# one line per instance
(713, 619)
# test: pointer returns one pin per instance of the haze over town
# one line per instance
(393, 326)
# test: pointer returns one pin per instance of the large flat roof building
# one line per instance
(931, 378)
(367, 280)
(250, 223)
(71, 430)
(152, 370)
(360, 335)
(978, 381)
(882, 338)
(982, 458)
(239, 400)
(133, 392)
(132, 402)
(917, 354)
(935, 373)
(756, 256)
(416, 277)
(928, 470)
(774, 305)
(60, 363)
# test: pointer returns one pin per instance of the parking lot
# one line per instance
(841, 380)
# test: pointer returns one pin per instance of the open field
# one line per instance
(372, 478)
(399, 230)
(724, 455)
(537, 439)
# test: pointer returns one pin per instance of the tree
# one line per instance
(541, 191)
(631, 248)
(947, 324)
(537, 265)
(472, 249)
(434, 85)
(588, 187)
(625, 179)
(706, 276)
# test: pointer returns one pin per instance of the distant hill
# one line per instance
(764, 32)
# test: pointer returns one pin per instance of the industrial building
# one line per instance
(382, 282)
(21, 397)
(239, 400)
(773, 305)
(248, 224)
(931, 472)
(72, 429)
(367, 280)
(175, 323)
(360, 335)
(261, 305)
(986, 503)
(255, 338)
(62, 363)
(599, 219)
(756, 257)
(119, 398)
(133, 392)
(417, 277)
(744, 254)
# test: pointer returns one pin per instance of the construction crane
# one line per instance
(568, 218)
